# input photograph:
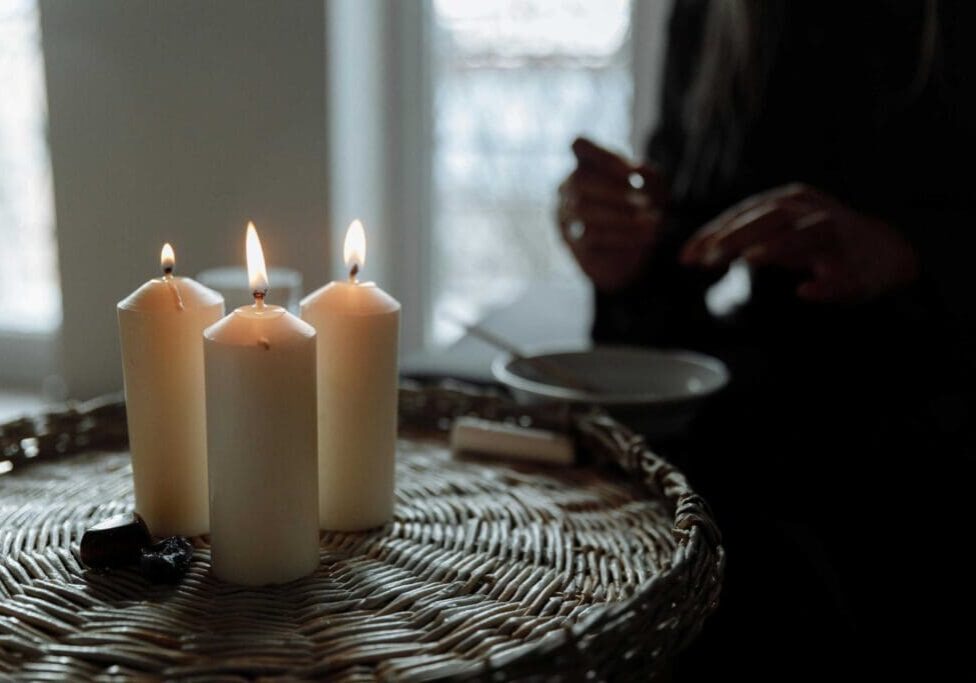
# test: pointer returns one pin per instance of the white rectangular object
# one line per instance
(498, 439)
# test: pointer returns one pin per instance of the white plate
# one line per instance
(656, 391)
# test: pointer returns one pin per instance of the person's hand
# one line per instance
(610, 214)
(848, 257)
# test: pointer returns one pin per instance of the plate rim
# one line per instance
(500, 371)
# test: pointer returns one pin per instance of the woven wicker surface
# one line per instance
(488, 570)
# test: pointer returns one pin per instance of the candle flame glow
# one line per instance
(354, 248)
(257, 274)
(167, 259)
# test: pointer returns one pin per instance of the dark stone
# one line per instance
(166, 561)
(116, 542)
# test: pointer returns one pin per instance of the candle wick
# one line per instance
(259, 298)
(353, 272)
(168, 272)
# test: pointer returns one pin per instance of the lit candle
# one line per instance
(260, 375)
(162, 361)
(357, 325)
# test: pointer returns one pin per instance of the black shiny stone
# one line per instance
(116, 542)
(166, 561)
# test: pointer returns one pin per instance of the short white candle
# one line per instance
(260, 375)
(357, 325)
(162, 361)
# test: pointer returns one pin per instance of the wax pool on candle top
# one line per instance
(260, 377)
(160, 326)
(357, 326)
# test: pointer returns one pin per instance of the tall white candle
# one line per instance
(357, 325)
(162, 361)
(260, 375)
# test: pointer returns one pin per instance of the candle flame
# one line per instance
(257, 274)
(167, 259)
(354, 248)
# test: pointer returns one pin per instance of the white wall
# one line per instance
(178, 121)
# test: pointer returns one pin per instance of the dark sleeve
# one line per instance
(929, 195)
(942, 300)
(665, 307)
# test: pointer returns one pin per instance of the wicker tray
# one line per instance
(489, 571)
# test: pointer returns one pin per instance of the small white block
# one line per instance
(497, 439)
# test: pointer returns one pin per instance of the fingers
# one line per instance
(746, 230)
(850, 257)
(754, 219)
(605, 177)
(696, 248)
(600, 160)
(587, 187)
(811, 237)
(646, 177)
(794, 193)
(813, 247)
(609, 214)
(608, 228)
(653, 182)
(720, 242)
(610, 243)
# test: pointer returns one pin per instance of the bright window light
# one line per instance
(28, 253)
(514, 82)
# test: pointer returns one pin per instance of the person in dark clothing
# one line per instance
(828, 147)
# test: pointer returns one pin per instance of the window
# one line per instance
(514, 81)
(28, 254)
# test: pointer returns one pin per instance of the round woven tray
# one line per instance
(490, 571)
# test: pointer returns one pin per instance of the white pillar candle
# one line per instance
(357, 325)
(162, 361)
(260, 375)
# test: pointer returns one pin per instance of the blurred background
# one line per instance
(444, 124)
